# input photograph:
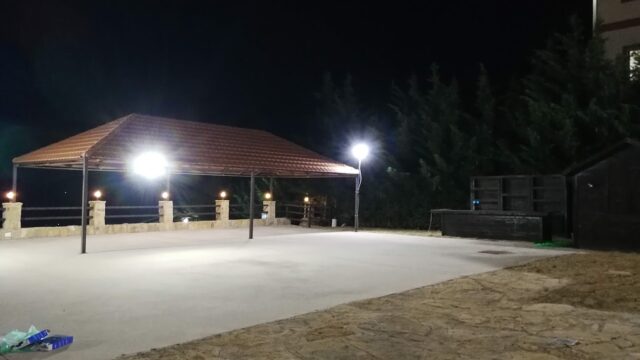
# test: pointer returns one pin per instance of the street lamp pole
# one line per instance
(360, 152)
(358, 183)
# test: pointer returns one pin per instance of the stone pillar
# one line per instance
(11, 215)
(97, 212)
(222, 210)
(269, 207)
(165, 207)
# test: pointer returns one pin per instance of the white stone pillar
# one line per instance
(222, 210)
(269, 207)
(165, 207)
(97, 210)
(11, 215)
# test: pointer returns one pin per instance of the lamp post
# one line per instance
(360, 152)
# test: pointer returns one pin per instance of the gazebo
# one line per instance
(185, 147)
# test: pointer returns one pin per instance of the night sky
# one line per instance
(66, 66)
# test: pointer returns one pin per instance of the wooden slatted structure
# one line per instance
(541, 194)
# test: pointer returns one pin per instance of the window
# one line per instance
(632, 54)
(633, 59)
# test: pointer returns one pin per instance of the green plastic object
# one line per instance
(555, 244)
(9, 342)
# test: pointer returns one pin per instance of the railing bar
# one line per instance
(189, 214)
(193, 206)
(51, 218)
(132, 207)
(52, 208)
(132, 216)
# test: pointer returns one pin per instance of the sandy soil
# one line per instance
(582, 306)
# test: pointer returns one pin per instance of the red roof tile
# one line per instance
(190, 147)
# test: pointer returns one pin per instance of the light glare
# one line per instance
(150, 165)
(11, 195)
(165, 195)
(267, 196)
(97, 194)
(306, 199)
(360, 151)
(223, 194)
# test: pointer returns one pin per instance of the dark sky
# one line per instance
(66, 66)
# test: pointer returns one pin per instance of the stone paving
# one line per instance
(582, 306)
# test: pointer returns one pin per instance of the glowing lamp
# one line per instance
(150, 165)
(360, 151)
(267, 196)
(165, 195)
(223, 195)
(185, 220)
(306, 199)
(11, 195)
(97, 194)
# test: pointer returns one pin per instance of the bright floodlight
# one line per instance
(223, 194)
(150, 165)
(306, 199)
(11, 195)
(165, 195)
(97, 194)
(360, 151)
(267, 196)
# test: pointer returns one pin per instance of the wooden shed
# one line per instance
(605, 193)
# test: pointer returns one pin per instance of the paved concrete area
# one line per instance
(134, 292)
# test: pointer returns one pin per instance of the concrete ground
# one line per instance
(133, 292)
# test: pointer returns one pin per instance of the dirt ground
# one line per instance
(581, 306)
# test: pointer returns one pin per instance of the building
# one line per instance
(606, 198)
(620, 26)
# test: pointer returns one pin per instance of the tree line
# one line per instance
(428, 141)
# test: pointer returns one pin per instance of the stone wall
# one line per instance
(55, 231)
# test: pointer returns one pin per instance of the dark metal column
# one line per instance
(357, 209)
(85, 200)
(251, 196)
(14, 184)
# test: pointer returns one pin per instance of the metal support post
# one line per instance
(14, 183)
(251, 200)
(85, 200)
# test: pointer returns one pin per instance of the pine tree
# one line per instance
(433, 123)
(572, 103)
(484, 125)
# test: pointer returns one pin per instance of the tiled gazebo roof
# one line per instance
(190, 147)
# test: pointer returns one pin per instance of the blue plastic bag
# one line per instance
(16, 339)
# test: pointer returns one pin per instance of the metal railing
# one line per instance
(241, 211)
(71, 215)
(296, 212)
(60, 215)
(131, 212)
(194, 211)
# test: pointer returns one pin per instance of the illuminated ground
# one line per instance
(140, 291)
(580, 306)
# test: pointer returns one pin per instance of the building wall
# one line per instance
(620, 25)
(607, 202)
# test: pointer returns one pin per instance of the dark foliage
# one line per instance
(573, 102)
